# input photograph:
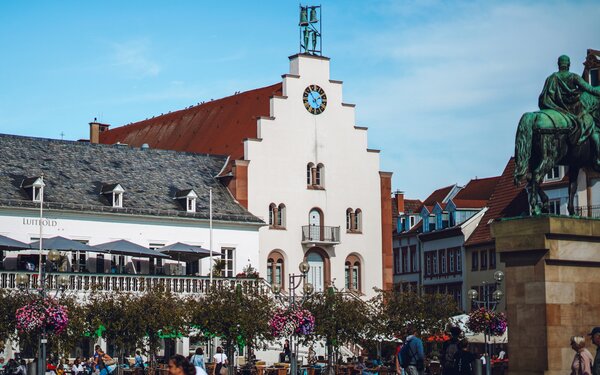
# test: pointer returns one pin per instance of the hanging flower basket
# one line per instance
(41, 314)
(483, 320)
(292, 322)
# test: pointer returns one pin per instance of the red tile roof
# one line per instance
(411, 205)
(215, 127)
(437, 196)
(507, 200)
(478, 189)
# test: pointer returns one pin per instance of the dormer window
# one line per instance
(114, 194)
(187, 198)
(34, 186)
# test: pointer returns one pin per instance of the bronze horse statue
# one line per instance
(544, 140)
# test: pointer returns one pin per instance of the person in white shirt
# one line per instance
(220, 360)
(77, 368)
(502, 354)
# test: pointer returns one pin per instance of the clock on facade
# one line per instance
(314, 99)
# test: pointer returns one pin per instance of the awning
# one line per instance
(62, 244)
(187, 253)
(7, 243)
(124, 247)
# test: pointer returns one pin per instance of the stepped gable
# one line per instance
(507, 200)
(215, 127)
(77, 173)
(477, 193)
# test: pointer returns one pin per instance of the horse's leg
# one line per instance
(547, 162)
(573, 175)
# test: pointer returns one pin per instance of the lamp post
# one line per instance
(41, 292)
(489, 301)
(294, 282)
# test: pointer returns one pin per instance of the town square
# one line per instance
(281, 188)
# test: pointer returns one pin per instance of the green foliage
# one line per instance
(218, 267)
(10, 301)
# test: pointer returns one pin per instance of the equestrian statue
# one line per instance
(565, 131)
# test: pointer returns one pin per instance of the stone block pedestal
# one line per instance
(552, 289)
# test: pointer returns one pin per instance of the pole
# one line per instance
(292, 293)
(488, 362)
(210, 224)
(43, 338)
(41, 228)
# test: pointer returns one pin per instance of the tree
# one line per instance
(339, 318)
(237, 316)
(10, 301)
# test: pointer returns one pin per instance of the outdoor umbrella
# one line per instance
(124, 247)
(187, 253)
(7, 243)
(62, 244)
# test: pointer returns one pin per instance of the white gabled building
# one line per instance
(299, 162)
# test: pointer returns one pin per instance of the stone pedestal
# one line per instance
(552, 289)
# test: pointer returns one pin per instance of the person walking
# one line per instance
(583, 359)
(220, 361)
(449, 350)
(198, 359)
(595, 334)
(412, 354)
(463, 359)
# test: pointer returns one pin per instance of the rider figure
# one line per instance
(561, 93)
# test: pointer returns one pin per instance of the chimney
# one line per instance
(399, 196)
(95, 129)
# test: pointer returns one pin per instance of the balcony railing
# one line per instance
(588, 211)
(320, 234)
(182, 285)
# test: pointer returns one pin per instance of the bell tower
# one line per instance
(310, 30)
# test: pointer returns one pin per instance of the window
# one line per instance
(191, 204)
(443, 261)
(352, 273)
(277, 216)
(37, 194)
(554, 174)
(432, 222)
(434, 260)
(405, 268)
(458, 261)
(309, 172)
(349, 219)
(428, 264)
(451, 256)
(483, 255)
(358, 220)
(117, 199)
(275, 268)
(412, 221)
(445, 220)
(492, 259)
(554, 206)
(397, 268)
(34, 186)
(227, 254)
(315, 175)
(475, 261)
(281, 215)
(413, 259)
(319, 175)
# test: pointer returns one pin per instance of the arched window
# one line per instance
(281, 215)
(272, 214)
(358, 220)
(349, 219)
(309, 174)
(352, 271)
(275, 268)
(319, 175)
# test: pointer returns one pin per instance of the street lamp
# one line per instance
(294, 282)
(489, 301)
(41, 292)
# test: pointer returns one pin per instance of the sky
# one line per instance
(441, 85)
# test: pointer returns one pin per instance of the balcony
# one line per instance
(587, 211)
(179, 285)
(320, 235)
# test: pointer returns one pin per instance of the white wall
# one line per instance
(22, 225)
(277, 174)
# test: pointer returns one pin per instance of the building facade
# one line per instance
(300, 163)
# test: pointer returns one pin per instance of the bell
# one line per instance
(313, 15)
(303, 18)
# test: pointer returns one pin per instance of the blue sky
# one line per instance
(440, 84)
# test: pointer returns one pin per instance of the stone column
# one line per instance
(552, 289)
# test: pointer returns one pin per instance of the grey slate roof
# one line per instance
(75, 172)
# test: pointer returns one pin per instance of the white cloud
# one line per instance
(133, 56)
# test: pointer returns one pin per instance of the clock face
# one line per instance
(314, 99)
